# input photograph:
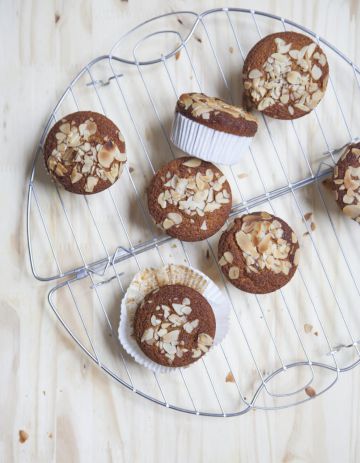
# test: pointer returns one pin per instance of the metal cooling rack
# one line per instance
(282, 349)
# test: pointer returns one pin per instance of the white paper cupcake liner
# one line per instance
(206, 143)
(148, 280)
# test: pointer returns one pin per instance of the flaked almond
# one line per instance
(316, 72)
(254, 74)
(60, 170)
(192, 162)
(91, 183)
(228, 257)
(167, 223)
(107, 154)
(234, 273)
(352, 211)
(75, 175)
(265, 103)
(175, 217)
(171, 336)
(147, 335)
(65, 128)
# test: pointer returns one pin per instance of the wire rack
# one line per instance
(283, 348)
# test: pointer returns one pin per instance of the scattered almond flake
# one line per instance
(229, 378)
(313, 226)
(310, 391)
(231, 49)
(177, 55)
(23, 436)
(242, 175)
(308, 216)
(308, 328)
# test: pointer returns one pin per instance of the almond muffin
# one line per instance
(174, 326)
(285, 75)
(211, 129)
(258, 253)
(189, 198)
(85, 152)
(346, 182)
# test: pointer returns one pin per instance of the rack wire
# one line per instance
(282, 349)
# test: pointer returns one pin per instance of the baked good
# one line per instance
(258, 253)
(189, 198)
(285, 75)
(211, 129)
(85, 152)
(346, 181)
(174, 326)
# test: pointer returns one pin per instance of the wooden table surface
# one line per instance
(67, 409)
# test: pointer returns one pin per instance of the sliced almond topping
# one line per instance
(147, 335)
(171, 336)
(293, 77)
(234, 273)
(316, 72)
(75, 175)
(228, 257)
(192, 162)
(352, 211)
(65, 128)
(107, 154)
(265, 103)
(60, 170)
(203, 226)
(254, 74)
(168, 224)
(91, 183)
(175, 217)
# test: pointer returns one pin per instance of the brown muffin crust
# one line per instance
(85, 152)
(217, 114)
(259, 253)
(285, 75)
(346, 182)
(174, 326)
(189, 198)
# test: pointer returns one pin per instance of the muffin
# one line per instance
(174, 326)
(346, 182)
(174, 310)
(211, 129)
(189, 198)
(85, 152)
(258, 253)
(285, 75)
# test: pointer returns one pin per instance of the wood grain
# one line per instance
(71, 411)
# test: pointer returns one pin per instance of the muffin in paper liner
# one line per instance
(148, 280)
(211, 129)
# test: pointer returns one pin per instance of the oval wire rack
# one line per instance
(271, 358)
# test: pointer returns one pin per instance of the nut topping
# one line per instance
(167, 336)
(79, 152)
(203, 106)
(288, 77)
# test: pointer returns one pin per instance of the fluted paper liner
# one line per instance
(148, 280)
(206, 143)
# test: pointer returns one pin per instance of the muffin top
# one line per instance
(259, 253)
(85, 152)
(189, 198)
(346, 182)
(217, 114)
(285, 75)
(174, 325)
